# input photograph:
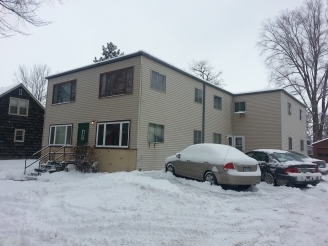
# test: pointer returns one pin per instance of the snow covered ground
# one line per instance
(154, 208)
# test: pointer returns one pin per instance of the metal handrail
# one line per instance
(44, 156)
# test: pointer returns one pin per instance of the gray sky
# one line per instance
(224, 32)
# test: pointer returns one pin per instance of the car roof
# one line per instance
(270, 151)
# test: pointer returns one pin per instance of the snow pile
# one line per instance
(155, 208)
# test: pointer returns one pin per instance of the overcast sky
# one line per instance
(225, 32)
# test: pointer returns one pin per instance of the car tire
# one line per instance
(170, 168)
(269, 178)
(210, 177)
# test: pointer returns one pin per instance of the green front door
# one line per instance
(82, 134)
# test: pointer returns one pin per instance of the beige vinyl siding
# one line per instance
(217, 121)
(176, 109)
(291, 125)
(88, 106)
(261, 124)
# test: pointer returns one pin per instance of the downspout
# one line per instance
(203, 119)
(139, 110)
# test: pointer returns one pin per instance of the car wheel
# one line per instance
(170, 168)
(269, 178)
(209, 177)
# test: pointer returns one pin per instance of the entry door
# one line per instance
(239, 143)
(82, 134)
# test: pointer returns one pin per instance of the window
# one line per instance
(155, 133)
(18, 106)
(301, 114)
(158, 81)
(217, 138)
(197, 137)
(60, 135)
(19, 135)
(117, 82)
(113, 134)
(20, 92)
(289, 106)
(198, 95)
(64, 92)
(240, 107)
(302, 145)
(290, 143)
(218, 102)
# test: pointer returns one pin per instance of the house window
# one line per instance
(155, 133)
(117, 82)
(60, 135)
(20, 92)
(289, 106)
(290, 143)
(301, 114)
(64, 92)
(19, 135)
(302, 145)
(198, 95)
(158, 81)
(113, 134)
(18, 106)
(197, 137)
(218, 102)
(217, 138)
(240, 107)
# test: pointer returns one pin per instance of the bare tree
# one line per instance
(15, 14)
(204, 70)
(296, 49)
(34, 80)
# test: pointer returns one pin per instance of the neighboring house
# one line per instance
(137, 110)
(320, 149)
(21, 122)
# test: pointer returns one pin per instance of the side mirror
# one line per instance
(178, 155)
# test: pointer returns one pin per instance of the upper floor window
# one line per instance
(117, 82)
(301, 114)
(158, 81)
(60, 135)
(18, 106)
(19, 135)
(198, 95)
(197, 137)
(113, 134)
(217, 138)
(64, 92)
(240, 107)
(155, 133)
(218, 102)
(289, 106)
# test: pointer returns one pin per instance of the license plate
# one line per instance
(247, 169)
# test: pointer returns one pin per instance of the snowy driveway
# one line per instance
(154, 208)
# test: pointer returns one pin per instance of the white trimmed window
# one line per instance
(18, 106)
(218, 102)
(197, 137)
(155, 133)
(158, 81)
(240, 107)
(113, 134)
(198, 95)
(60, 135)
(19, 135)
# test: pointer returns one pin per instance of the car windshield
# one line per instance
(283, 157)
(299, 154)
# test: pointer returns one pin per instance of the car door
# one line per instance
(182, 166)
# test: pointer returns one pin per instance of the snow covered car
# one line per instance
(215, 163)
(322, 165)
(279, 167)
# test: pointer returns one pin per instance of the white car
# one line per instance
(216, 163)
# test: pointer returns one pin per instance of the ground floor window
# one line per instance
(217, 138)
(155, 133)
(197, 137)
(113, 134)
(19, 135)
(60, 135)
(290, 143)
(302, 145)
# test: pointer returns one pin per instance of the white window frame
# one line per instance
(120, 137)
(60, 144)
(219, 102)
(157, 126)
(23, 134)
(242, 140)
(18, 106)
(153, 86)
(239, 107)
(198, 96)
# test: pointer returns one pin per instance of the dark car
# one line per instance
(279, 167)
